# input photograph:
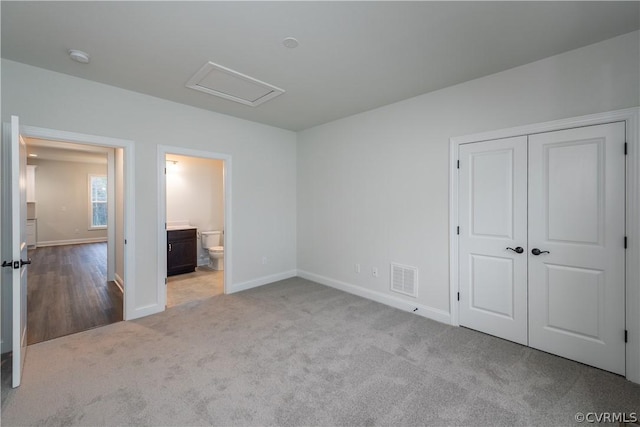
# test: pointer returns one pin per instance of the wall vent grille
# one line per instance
(404, 279)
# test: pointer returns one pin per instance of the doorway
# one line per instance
(71, 216)
(14, 298)
(194, 237)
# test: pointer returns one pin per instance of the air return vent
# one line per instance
(404, 279)
(220, 81)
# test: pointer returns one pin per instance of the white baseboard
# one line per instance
(399, 303)
(261, 281)
(146, 310)
(119, 282)
(72, 241)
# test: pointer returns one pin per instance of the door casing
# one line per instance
(631, 117)
(129, 307)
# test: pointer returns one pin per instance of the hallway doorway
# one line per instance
(71, 221)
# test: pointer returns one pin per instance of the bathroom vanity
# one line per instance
(182, 250)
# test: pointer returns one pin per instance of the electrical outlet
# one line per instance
(374, 271)
(264, 260)
(356, 267)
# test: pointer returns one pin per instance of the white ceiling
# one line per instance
(353, 56)
(66, 151)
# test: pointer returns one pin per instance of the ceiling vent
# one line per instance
(404, 279)
(220, 81)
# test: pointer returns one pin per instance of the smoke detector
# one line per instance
(290, 42)
(79, 56)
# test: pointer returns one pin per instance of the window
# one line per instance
(97, 201)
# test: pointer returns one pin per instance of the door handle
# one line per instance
(517, 250)
(23, 262)
(11, 264)
(537, 251)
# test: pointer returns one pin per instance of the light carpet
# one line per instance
(297, 353)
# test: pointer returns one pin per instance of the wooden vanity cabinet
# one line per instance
(182, 251)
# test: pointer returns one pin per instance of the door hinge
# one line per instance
(625, 148)
(166, 281)
(125, 241)
(458, 164)
(458, 230)
(458, 296)
(626, 336)
(165, 171)
(625, 242)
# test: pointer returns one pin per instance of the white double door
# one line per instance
(542, 242)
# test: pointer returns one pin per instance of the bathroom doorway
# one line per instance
(194, 233)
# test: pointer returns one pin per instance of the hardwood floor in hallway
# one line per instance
(68, 292)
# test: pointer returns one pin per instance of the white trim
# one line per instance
(568, 123)
(260, 281)
(399, 303)
(453, 231)
(633, 247)
(71, 241)
(163, 150)
(631, 116)
(147, 310)
(130, 311)
(111, 215)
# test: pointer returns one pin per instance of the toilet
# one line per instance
(212, 242)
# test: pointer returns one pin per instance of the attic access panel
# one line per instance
(220, 81)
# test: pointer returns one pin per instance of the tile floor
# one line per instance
(201, 284)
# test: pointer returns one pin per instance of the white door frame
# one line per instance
(163, 150)
(632, 118)
(128, 309)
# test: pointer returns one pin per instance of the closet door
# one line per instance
(493, 237)
(576, 244)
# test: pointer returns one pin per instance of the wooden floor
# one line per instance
(67, 291)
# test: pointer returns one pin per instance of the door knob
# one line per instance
(517, 250)
(537, 251)
(10, 264)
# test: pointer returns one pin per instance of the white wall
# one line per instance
(119, 217)
(373, 188)
(264, 165)
(195, 193)
(62, 201)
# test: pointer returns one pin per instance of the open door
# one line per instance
(14, 245)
